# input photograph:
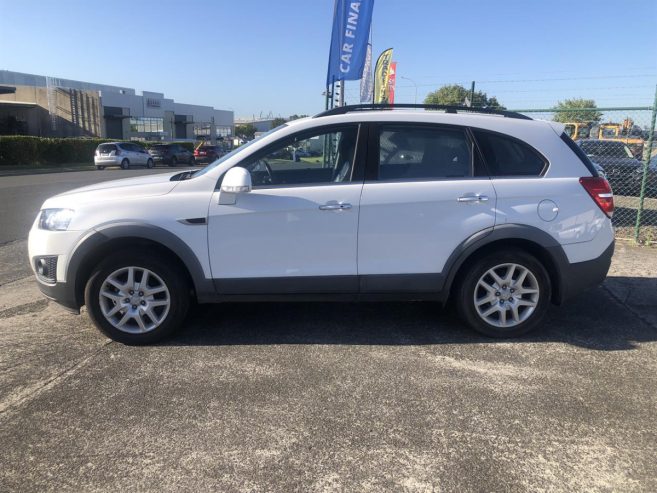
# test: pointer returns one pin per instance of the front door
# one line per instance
(296, 230)
(421, 199)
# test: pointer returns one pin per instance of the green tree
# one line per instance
(296, 117)
(577, 110)
(455, 94)
(277, 122)
(246, 131)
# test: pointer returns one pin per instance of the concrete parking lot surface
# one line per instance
(332, 397)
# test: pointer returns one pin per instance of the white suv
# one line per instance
(490, 211)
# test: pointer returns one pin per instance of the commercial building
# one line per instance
(50, 107)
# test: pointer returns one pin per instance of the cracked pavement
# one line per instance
(325, 396)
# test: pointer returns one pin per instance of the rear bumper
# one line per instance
(580, 276)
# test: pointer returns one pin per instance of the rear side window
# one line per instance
(506, 156)
(409, 152)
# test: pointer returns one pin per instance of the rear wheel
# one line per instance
(192, 161)
(174, 161)
(125, 164)
(100, 168)
(137, 298)
(504, 294)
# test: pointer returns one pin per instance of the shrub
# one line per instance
(27, 150)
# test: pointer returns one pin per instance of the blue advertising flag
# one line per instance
(351, 29)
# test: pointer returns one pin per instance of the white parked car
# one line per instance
(491, 211)
(124, 154)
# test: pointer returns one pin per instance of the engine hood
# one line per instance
(142, 186)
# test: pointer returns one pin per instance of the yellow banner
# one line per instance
(381, 76)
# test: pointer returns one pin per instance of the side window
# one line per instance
(308, 158)
(508, 157)
(420, 152)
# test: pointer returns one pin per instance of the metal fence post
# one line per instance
(647, 153)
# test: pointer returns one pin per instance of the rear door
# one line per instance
(425, 192)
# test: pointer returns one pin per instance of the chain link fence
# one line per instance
(621, 144)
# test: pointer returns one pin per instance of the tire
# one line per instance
(150, 163)
(478, 283)
(192, 161)
(100, 168)
(161, 312)
(125, 164)
(174, 161)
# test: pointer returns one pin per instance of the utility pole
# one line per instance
(415, 84)
(472, 89)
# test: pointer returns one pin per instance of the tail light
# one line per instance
(195, 153)
(600, 191)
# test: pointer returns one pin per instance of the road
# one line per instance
(325, 397)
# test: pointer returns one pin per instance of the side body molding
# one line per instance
(105, 234)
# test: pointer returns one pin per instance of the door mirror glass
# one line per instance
(236, 180)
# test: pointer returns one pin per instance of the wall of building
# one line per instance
(95, 109)
(69, 113)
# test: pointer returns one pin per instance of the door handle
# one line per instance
(473, 198)
(335, 207)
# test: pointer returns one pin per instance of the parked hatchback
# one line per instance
(171, 154)
(124, 154)
(489, 211)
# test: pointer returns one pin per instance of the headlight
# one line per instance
(55, 219)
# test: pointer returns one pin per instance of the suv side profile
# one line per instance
(490, 211)
(124, 154)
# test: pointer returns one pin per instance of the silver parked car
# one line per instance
(124, 154)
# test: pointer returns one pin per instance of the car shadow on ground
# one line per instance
(598, 319)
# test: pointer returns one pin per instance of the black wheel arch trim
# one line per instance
(101, 235)
(553, 252)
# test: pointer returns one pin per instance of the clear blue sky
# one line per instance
(271, 56)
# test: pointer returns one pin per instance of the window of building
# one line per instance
(142, 124)
(408, 152)
(506, 156)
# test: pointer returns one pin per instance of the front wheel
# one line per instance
(174, 161)
(125, 164)
(149, 163)
(137, 298)
(504, 294)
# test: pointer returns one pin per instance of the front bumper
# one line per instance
(61, 293)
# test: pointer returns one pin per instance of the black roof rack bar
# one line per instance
(341, 110)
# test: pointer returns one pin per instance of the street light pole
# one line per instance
(414, 83)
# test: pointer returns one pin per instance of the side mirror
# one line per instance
(236, 180)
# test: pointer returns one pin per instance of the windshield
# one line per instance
(239, 149)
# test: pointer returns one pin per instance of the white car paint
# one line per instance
(402, 227)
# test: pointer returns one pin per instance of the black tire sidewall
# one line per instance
(173, 277)
(125, 164)
(465, 292)
(150, 163)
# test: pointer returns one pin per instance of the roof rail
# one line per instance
(341, 110)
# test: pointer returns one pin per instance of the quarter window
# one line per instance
(416, 152)
(508, 157)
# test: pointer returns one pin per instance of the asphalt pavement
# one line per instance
(325, 396)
